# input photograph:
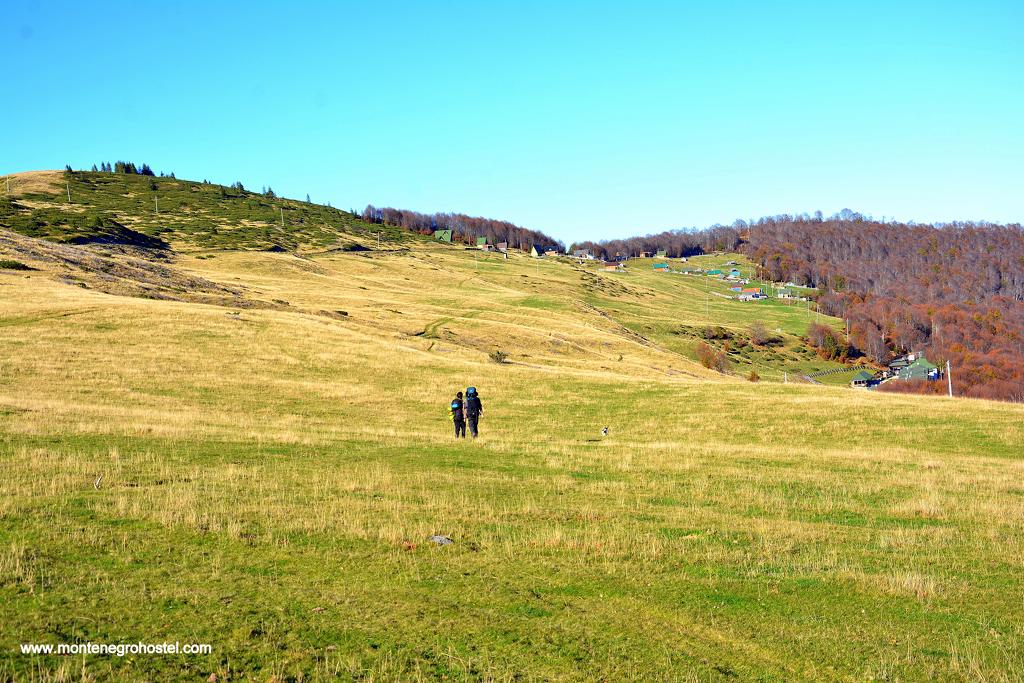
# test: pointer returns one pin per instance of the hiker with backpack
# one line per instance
(458, 410)
(474, 409)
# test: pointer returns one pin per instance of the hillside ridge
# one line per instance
(110, 229)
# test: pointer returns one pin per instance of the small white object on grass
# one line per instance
(604, 432)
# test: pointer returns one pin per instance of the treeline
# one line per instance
(954, 291)
(465, 229)
(676, 243)
(124, 167)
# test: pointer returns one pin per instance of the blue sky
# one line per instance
(583, 119)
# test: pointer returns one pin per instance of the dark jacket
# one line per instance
(474, 407)
(458, 410)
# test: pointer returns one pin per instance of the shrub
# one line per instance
(759, 335)
(498, 356)
(829, 343)
(712, 359)
(913, 387)
(715, 332)
(8, 264)
(753, 376)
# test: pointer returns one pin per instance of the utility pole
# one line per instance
(378, 240)
(282, 216)
(156, 200)
(8, 184)
(68, 185)
(949, 379)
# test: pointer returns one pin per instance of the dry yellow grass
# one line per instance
(29, 182)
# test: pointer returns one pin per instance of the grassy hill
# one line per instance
(217, 443)
(200, 219)
(190, 214)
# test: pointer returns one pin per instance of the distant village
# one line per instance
(741, 286)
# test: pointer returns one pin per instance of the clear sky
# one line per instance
(583, 119)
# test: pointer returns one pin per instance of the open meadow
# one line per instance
(265, 479)
(740, 286)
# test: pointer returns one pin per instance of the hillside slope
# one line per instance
(266, 479)
(91, 207)
(119, 221)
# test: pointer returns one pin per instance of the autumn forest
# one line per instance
(954, 291)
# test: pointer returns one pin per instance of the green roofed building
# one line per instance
(862, 380)
(481, 241)
(661, 253)
(714, 272)
(443, 235)
(912, 366)
(919, 368)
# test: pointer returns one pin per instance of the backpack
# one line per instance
(473, 406)
(457, 409)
